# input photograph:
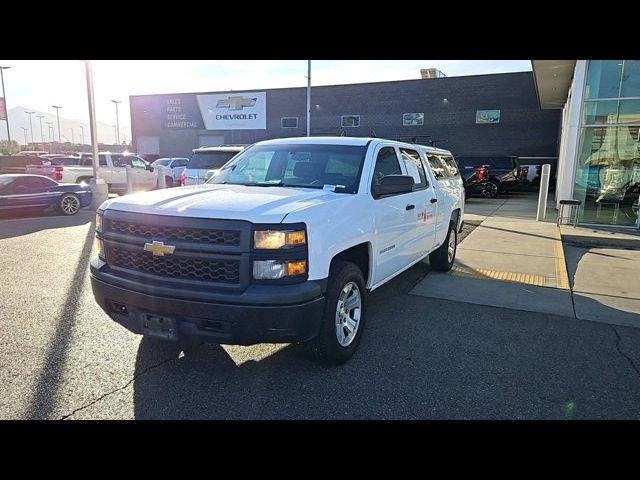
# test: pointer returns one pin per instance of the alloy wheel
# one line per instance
(348, 311)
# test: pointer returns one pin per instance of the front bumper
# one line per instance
(244, 319)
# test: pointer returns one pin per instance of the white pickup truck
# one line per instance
(282, 245)
(112, 168)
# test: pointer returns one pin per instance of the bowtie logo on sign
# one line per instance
(234, 110)
(236, 103)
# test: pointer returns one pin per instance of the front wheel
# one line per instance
(344, 315)
(69, 204)
(442, 258)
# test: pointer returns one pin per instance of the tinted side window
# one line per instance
(386, 164)
(102, 161)
(136, 162)
(450, 166)
(40, 182)
(437, 167)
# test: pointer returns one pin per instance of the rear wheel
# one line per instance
(442, 259)
(168, 182)
(344, 315)
(69, 204)
(490, 189)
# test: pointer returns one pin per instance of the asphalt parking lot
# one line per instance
(61, 357)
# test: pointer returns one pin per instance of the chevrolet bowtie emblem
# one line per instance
(236, 103)
(159, 248)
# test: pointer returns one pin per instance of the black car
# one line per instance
(26, 192)
(490, 175)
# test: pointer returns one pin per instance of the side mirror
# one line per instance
(393, 184)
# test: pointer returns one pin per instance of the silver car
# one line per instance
(206, 161)
(176, 164)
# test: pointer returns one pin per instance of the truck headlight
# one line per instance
(100, 248)
(273, 239)
(98, 222)
(275, 269)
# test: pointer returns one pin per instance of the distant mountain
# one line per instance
(19, 119)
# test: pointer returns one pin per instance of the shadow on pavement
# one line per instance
(418, 359)
(35, 222)
(45, 389)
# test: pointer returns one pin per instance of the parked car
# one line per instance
(205, 162)
(17, 163)
(112, 168)
(21, 192)
(31, 153)
(54, 172)
(531, 171)
(176, 164)
(282, 245)
(499, 174)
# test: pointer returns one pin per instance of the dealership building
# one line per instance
(599, 155)
(482, 115)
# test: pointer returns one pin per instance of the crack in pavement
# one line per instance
(105, 395)
(629, 359)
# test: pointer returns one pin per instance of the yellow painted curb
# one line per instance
(562, 277)
(516, 277)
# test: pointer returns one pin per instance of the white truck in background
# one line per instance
(113, 169)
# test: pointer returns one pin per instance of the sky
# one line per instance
(38, 84)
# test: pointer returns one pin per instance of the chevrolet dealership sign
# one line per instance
(234, 111)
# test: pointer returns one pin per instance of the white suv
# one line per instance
(206, 161)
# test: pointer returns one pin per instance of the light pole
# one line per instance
(58, 115)
(308, 98)
(30, 124)
(117, 121)
(82, 134)
(6, 110)
(49, 130)
(99, 187)
(115, 134)
(26, 140)
(41, 134)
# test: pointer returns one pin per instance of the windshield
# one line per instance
(299, 165)
(163, 162)
(209, 160)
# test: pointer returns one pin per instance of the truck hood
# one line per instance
(237, 202)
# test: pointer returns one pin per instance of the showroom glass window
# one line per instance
(608, 169)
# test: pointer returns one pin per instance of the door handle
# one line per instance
(409, 207)
(433, 200)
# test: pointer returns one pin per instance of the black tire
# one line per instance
(326, 347)
(168, 182)
(490, 189)
(69, 204)
(440, 259)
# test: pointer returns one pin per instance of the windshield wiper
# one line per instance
(266, 184)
